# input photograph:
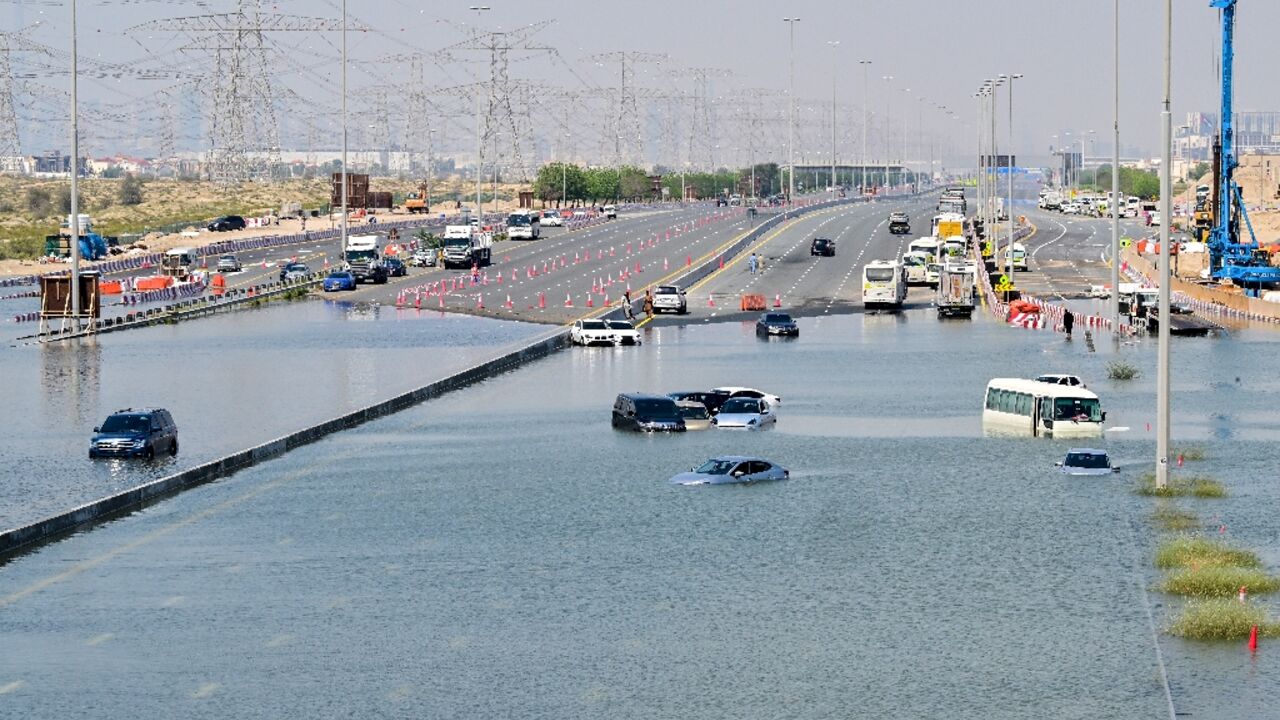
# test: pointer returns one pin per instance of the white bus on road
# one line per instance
(524, 225)
(1028, 408)
(884, 285)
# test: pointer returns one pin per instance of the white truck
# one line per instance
(363, 257)
(955, 291)
(465, 246)
(524, 225)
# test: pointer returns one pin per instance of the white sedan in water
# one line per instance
(591, 332)
(744, 412)
(747, 392)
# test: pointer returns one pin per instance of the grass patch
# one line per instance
(1190, 486)
(1169, 517)
(1121, 370)
(1194, 453)
(1218, 582)
(1194, 551)
(1221, 619)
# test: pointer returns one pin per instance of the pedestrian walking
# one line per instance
(754, 262)
(627, 311)
(648, 304)
(1068, 321)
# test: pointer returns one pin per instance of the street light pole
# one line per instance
(431, 170)
(73, 224)
(1115, 190)
(833, 44)
(888, 95)
(343, 244)
(479, 140)
(791, 114)
(862, 176)
(1166, 218)
(1011, 77)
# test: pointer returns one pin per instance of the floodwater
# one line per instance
(503, 553)
(232, 381)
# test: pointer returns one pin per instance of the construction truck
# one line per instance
(179, 262)
(465, 247)
(955, 290)
(363, 257)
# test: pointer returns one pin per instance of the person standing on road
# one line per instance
(648, 304)
(754, 262)
(1068, 321)
(627, 311)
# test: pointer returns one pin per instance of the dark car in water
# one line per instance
(226, 223)
(646, 413)
(395, 267)
(823, 246)
(135, 433)
(776, 323)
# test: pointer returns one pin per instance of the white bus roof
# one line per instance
(883, 263)
(927, 241)
(1035, 387)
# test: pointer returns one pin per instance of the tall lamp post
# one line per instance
(862, 176)
(73, 224)
(833, 44)
(1009, 166)
(343, 244)
(887, 96)
(791, 114)
(1166, 217)
(479, 9)
(1115, 188)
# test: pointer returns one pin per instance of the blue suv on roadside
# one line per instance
(135, 433)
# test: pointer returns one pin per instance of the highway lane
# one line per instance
(803, 284)
(1069, 253)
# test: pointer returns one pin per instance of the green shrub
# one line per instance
(1190, 486)
(1215, 581)
(1195, 551)
(1221, 619)
(1194, 453)
(1121, 370)
(1169, 517)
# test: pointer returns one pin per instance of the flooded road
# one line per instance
(231, 381)
(503, 553)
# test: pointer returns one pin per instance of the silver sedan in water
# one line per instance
(731, 469)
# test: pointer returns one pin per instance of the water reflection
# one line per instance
(70, 376)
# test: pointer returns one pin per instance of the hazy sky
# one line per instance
(939, 49)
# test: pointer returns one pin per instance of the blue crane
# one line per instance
(1244, 263)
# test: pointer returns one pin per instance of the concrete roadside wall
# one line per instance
(1204, 300)
(51, 528)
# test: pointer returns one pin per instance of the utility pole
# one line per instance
(74, 225)
(1166, 218)
(888, 95)
(1115, 190)
(862, 175)
(1009, 166)
(791, 111)
(833, 44)
(479, 141)
(343, 243)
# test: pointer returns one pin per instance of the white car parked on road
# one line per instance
(669, 298)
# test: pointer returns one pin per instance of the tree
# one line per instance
(37, 201)
(1198, 170)
(130, 190)
(633, 183)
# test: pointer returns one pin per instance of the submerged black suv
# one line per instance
(135, 433)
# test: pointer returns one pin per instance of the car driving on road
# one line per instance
(395, 267)
(339, 280)
(899, 223)
(669, 298)
(776, 323)
(229, 263)
(731, 469)
(551, 218)
(823, 246)
(226, 223)
(424, 258)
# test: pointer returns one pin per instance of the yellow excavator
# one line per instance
(416, 202)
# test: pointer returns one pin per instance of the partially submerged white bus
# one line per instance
(1029, 408)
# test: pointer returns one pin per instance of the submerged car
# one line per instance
(1086, 461)
(744, 412)
(135, 433)
(646, 413)
(1061, 379)
(591, 332)
(624, 333)
(695, 415)
(776, 323)
(747, 392)
(730, 469)
(710, 400)
(339, 280)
